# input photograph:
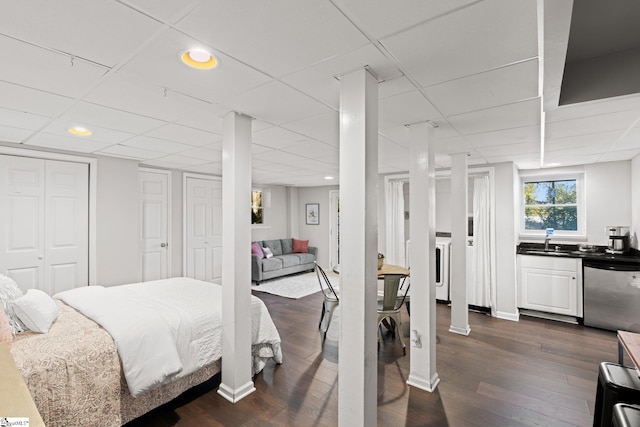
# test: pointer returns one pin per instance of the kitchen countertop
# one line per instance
(571, 251)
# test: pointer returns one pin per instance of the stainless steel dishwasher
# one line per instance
(611, 295)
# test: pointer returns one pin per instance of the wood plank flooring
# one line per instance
(530, 373)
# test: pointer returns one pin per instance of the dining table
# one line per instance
(629, 343)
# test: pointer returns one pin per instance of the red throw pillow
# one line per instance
(300, 246)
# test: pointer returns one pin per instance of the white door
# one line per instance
(334, 224)
(203, 223)
(154, 224)
(44, 235)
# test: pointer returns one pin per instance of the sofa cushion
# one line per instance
(287, 246)
(270, 264)
(300, 246)
(289, 260)
(274, 245)
(306, 258)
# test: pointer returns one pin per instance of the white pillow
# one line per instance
(36, 310)
(9, 292)
(267, 252)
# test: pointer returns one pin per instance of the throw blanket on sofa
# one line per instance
(167, 329)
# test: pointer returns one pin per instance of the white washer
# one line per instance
(443, 249)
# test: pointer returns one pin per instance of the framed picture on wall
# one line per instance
(313, 213)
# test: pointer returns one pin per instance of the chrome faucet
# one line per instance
(546, 242)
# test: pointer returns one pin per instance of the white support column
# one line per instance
(358, 367)
(459, 225)
(422, 217)
(236, 259)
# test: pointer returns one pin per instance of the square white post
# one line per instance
(358, 359)
(236, 258)
(422, 217)
(459, 225)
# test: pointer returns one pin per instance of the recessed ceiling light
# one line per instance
(78, 130)
(328, 178)
(199, 59)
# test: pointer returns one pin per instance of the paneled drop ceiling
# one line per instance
(470, 66)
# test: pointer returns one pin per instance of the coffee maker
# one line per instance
(618, 236)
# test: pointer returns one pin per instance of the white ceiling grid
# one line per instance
(113, 66)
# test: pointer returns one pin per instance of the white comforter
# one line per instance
(167, 329)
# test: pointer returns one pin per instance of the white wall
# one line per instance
(318, 235)
(608, 196)
(117, 222)
(635, 202)
(277, 213)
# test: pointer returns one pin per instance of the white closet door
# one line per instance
(66, 255)
(154, 228)
(204, 228)
(44, 237)
(22, 221)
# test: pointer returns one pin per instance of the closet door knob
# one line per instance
(162, 245)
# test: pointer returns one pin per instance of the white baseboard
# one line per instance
(514, 317)
(238, 394)
(423, 384)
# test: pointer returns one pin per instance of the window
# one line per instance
(257, 207)
(552, 202)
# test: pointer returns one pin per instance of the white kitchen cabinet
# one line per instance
(550, 284)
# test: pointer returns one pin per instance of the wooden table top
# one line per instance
(15, 398)
(392, 269)
(631, 343)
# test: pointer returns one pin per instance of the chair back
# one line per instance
(325, 284)
(391, 285)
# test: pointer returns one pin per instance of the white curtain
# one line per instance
(480, 294)
(395, 223)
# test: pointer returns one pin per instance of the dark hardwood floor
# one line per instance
(530, 373)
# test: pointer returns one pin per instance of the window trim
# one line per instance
(580, 233)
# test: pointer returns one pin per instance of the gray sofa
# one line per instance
(283, 261)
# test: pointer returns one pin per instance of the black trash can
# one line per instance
(616, 384)
(626, 415)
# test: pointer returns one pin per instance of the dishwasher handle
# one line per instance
(611, 266)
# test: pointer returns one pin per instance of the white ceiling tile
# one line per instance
(265, 34)
(515, 149)
(594, 108)
(278, 156)
(617, 155)
(131, 152)
(453, 145)
(570, 158)
(21, 120)
(278, 104)
(522, 160)
(484, 90)
(630, 141)
(621, 121)
(487, 35)
(214, 168)
(208, 121)
(277, 137)
(45, 70)
(182, 160)
(311, 149)
(381, 17)
(155, 144)
(105, 32)
(71, 143)
(321, 80)
(506, 136)
(602, 141)
(33, 101)
(325, 127)
(394, 86)
(159, 64)
(87, 114)
(406, 108)
(516, 115)
(203, 153)
(185, 135)
(164, 10)
(128, 92)
(10, 134)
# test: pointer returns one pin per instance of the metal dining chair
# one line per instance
(390, 305)
(331, 301)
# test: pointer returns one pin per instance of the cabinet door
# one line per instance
(553, 291)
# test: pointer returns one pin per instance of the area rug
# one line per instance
(294, 286)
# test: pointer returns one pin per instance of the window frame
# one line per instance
(580, 233)
(266, 195)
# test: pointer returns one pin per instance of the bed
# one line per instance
(77, 373)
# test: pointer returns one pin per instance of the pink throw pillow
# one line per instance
(256, 249)
(5, 329)
(300, 246)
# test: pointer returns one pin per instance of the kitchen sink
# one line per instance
(549, 252)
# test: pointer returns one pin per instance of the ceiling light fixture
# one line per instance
(328, 178)
(199, 59)
(78, 130)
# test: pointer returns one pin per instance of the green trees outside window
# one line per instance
(551, 204)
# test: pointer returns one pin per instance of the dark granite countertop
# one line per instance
(572, 251)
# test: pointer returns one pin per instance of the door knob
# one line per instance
(162, 245)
